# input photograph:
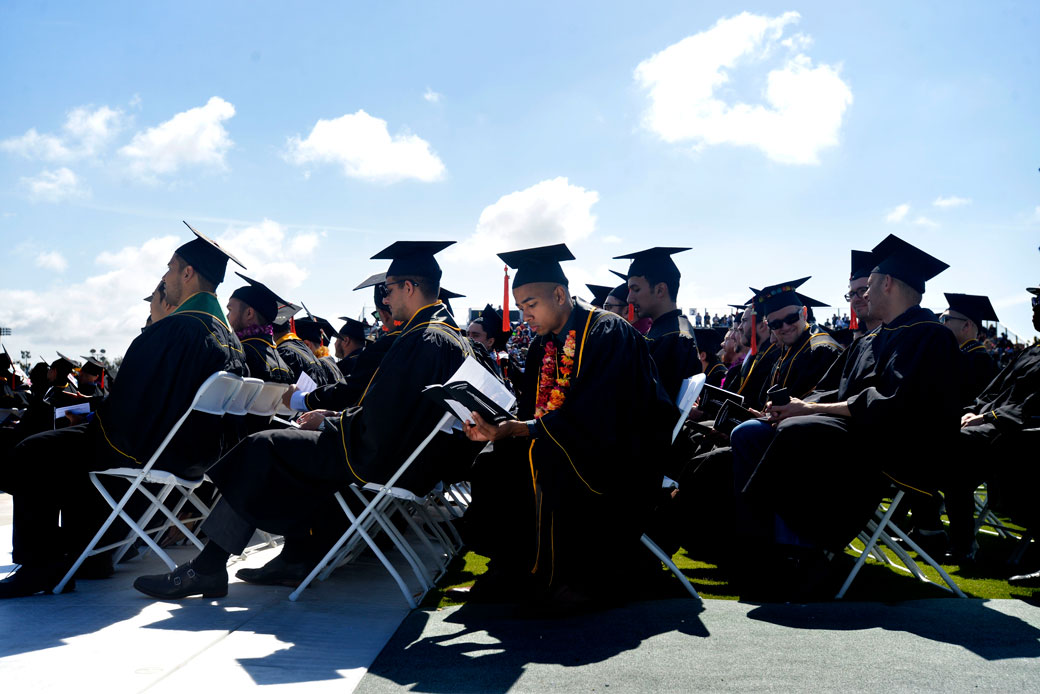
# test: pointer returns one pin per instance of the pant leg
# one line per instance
(749, 442)
(228, 529)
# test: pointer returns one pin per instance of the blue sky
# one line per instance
(770, 138)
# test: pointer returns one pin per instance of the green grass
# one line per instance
(876, 582)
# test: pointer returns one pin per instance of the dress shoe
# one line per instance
(1026, 580)
(184, 582)
(276, 572)
(30, 580)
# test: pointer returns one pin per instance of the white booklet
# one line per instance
(305, 384)
(473, 388)
(689, 391)
(82, 408)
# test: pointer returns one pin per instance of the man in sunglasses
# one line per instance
(997, 444)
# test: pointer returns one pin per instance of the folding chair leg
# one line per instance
(953, 587)
(659, 553)
(862, 558)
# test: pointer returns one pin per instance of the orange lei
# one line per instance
(553, 381)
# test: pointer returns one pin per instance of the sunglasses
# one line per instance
(946, 319)
(789, 319)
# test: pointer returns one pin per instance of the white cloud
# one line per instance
(52, 260)
(923, 221)
(195, 137)
(612, 239)
(952, 201)
(552, 211)
(1036, 213)
(53, 186)
(87, 132)
(363, 146)
(432, 96)
(803, 104)
(105, 309)
(898, 213)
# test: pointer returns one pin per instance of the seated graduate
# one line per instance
(486, 335)
(91, 380)
(964, 319)
(340, 396)
(895, 388)
(350, 343)
(997, 444)
(317, 334)
(159, 376)
(862, 265)
(709, 345)
(757, 366)
(251, 310)
(653, 286)
(297, 355)
(573, 479)
(283, 481)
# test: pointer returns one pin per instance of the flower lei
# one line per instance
(553, 383)
(254, 331)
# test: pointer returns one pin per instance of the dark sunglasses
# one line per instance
(789, 319)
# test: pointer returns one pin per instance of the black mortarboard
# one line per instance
(353, 329)
(206, 256)
(413, 258)
(92, 366)
(378, 281)
(623, 276)
(64, 364)
(777, 296)
(491, 320)
(906, 262)
(260, 297)
(149, 297)
(1033, 290)
(599, 294)
(653, 262)
(739, 307)
(977, 308)
(708, 340)
(862, 264)
(810, 302)
(447, 294)
(285, 312)
(312, 328)
(541, 264)
(620, 292)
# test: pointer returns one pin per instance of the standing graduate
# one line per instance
(653, 286)
(964, 319)
(283, 481)
(162, 370)
(895, 389)
(573, 479)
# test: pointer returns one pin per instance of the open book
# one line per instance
(472, 388)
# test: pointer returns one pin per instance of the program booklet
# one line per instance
(472, 388)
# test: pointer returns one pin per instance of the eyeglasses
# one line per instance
(387, 285)
(861, 293)
(946, 319)
(618, 305)
(789, 319)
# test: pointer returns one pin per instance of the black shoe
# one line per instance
(276, 572)
(184, 582)
(1026, 580)
(30, 580)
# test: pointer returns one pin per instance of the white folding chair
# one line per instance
(243, 397)
(374, 514)
(212, 397)
(878, 530)
(269, 400)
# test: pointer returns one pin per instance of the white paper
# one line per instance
(483, 380)
(305, 384)
(82, 408)
(689, 391)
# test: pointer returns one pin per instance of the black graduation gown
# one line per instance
(332, 372)
(801, 366)
(754, 374)
(347, 363)
(716, 372)
(820, 477)
(280, 480)
(732, 379)
(265, 362)
(160, 374)
(673, 347)
(300, 359)
(340, 396)
(584, 486)
(977, 369)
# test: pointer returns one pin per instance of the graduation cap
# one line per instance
(447, 294)
(413, 258)
(1035, 291)
(354, 329)
(64, 364)
(540, 264)
(92, 366)
(739, 307)
(206, 256)
(599, 294)
(378, 281)
(708, 340)
(977, 308)
(777, 296)
(491, 320)
(862, 264)
(654, 262)
(906, 262)
(263, 300)
(286, 311)
(315, 329)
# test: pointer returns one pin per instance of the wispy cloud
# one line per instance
(52, 260)
(951, 201)
(54, 186)
(898, 213)
(85, 133)
(925, 222)
(192, 138)
(803, 104)
(432, 96)
(362, 145)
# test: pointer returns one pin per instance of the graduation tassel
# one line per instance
(506, 327)
(853, 319)
(631, 313)
(754, 333)
(292, 325)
